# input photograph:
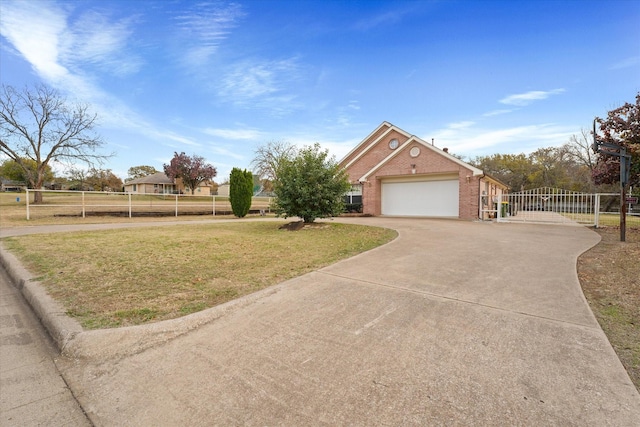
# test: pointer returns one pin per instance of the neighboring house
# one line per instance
(159, 183)
(10, 185)
(223, 190)
(395, 173)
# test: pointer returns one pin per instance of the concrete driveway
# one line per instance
(453, 323)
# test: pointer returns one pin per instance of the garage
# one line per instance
(430, 197)
(399, 174)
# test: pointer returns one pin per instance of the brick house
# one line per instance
(398, 174)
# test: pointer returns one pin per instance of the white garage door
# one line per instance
(421, 198)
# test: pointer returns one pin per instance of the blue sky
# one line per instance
(219, 78)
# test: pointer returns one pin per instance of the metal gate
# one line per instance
(546, 205)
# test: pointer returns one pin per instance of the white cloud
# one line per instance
(216, 149)
(261, 84)
(625, 63)
(385, 19)
(496, 113)
(93, 39)
(248, 134)
(461, 125)
(204, 27)
(34, 29)
(527, 98)
(60, 52)
(477, 141)
(353, 105)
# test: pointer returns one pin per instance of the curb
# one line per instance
(73, 341)
(60, 327)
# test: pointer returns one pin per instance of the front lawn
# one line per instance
(124, 277)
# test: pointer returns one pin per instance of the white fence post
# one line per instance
(129, 205)
(28, 204)
(214, 205)
(176, 205)
(596, 213)
(83, 209)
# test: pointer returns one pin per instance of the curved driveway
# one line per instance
(452, 323)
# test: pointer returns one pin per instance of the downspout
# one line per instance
(480, 196)
(362, 182)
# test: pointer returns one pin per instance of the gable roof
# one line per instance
(365, 145)
(156, 178)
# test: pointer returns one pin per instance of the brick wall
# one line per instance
(431, 162)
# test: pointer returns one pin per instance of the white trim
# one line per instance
(374, 142)
(411, 138)
(386, 159)
(450, 176)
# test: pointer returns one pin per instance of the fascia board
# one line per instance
(374, 143)
(385, 123)
(496, 181)
(474, 170)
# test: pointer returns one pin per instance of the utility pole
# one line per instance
(620, 151)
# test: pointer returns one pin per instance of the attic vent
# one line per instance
(393, 144)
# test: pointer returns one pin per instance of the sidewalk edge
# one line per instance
(61, 328)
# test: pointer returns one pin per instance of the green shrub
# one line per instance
(240, 191)
(310, 185)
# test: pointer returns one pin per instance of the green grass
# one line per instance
(133, 276)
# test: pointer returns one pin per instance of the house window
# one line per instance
(135, 187)
(354, 195)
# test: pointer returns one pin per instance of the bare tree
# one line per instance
(579, 148)
(269, 157)
(38, 124)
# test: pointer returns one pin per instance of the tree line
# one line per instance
(39, 127)
(574, 165)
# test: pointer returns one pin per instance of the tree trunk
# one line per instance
(37, 197)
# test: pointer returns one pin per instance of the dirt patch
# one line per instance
(610, 277)
(301, 225)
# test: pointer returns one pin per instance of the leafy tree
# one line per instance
(268, 158)
(240, 191)
(140, 171)
(550, 168)
(546, 167)
(512, 169)
(191, 169)
(310, 185)
(103, 180)
(77, 179)
(38, 125)
(12, 170)
(621, 127)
